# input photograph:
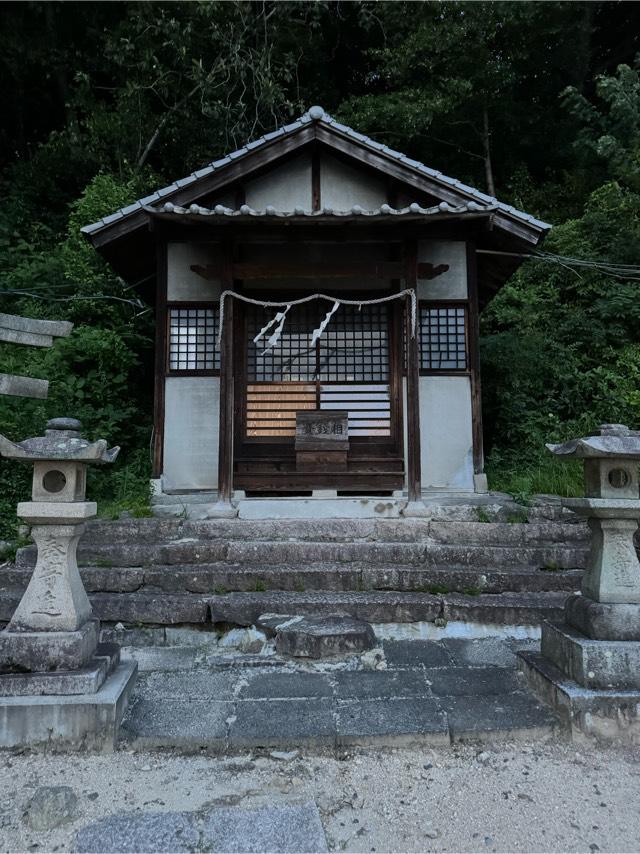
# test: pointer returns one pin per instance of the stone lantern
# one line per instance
(50, 648)
(590, 664)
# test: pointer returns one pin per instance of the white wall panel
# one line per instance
(446, 438)
(286, 187)
(342, 186)
(191, 433)
(182, 282)
(453, 283)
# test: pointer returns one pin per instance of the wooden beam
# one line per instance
(474, 359)
(316, 190)
(225, 435)
(413, 380)
(345, 270)
(160, 358)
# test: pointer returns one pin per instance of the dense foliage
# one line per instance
(538, 102)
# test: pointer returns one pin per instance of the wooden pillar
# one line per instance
(225, 444)
(474, 367)
(160, 357)
(413, 380)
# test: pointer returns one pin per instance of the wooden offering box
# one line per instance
(322, 440)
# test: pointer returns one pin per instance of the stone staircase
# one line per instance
(168, 572)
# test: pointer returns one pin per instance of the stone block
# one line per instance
(391, 721)
(161, 832)
(406, 653)
(472, 681)
(161, 609)
(603, 620)
(297, 685)
(185, 723)
(609, 716)
(481, 652)
(280, 827)
(277, 827)
(56, 512)
(39, 652)
(277, 723)
(376, 685)
(86, 680)
(195, 684)
(594, 664)
(517, 715)
(67, 723)
(322, 637)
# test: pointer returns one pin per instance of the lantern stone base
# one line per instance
(86, 680)
(594, 664)
(612, 715)
(40, 652)
(603, 620)
(69, 722)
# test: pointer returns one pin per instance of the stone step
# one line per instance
(429, 553)
(377, 607)
(223, 577)
(152, 531)
(169, 609)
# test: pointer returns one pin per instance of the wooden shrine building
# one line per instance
(373, 395)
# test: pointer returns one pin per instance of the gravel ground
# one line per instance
(508, 797)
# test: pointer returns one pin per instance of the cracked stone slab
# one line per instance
(286, 685)
(198, 684)
(178, 723)
(409, 653)
(394, 720)
(473, 681)
(378, 684)
(274, 723)
(511, 715)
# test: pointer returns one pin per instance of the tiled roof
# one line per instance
(317, 114)
(384, 211)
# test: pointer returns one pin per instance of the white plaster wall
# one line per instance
(342, 187)
(182, 282)
(446, 438)
(453, 283)
(191, 433)
(286, 187)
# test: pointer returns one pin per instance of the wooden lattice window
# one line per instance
(353, 348)
(443, 338)
(193, 332)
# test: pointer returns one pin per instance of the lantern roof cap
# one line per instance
(614, 440)
(62, 441)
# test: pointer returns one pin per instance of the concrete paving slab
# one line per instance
(409, 653)
(177, 723)
(275, 685)
(133, 832)
(275, 723)
(273, 828)
(516, 715)
(473, 681)
(365, 685)
(391, 721)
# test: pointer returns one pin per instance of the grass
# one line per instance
(482, 515)
(545, 476)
